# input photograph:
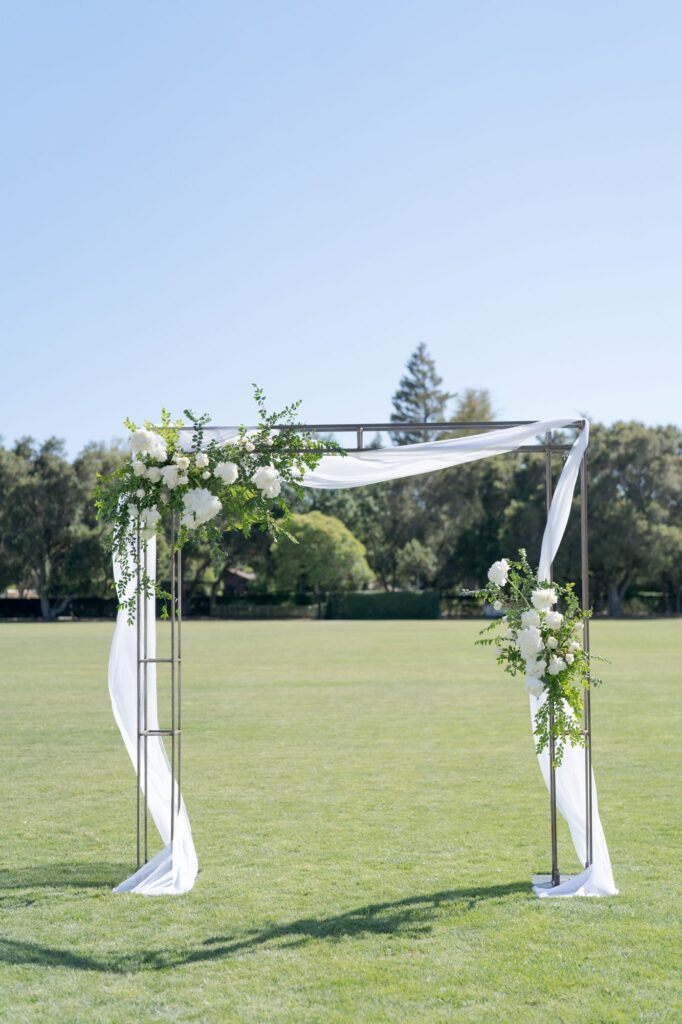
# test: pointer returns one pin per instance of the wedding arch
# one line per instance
(133, 660)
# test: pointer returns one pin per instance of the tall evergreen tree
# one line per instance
(420, 397)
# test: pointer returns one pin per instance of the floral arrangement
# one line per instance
(532, 638)
(207, 487)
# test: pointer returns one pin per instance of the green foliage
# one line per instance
(319, 554)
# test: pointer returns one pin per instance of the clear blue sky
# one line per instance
(197, 196)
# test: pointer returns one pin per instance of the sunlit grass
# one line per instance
(367, 811)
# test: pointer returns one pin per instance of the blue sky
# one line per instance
(197, 196)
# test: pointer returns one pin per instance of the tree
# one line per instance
(420, 397)
(324, 556)
(635, 484)
(417, 564)
(42, 502)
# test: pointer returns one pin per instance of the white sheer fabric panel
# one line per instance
(175, 868)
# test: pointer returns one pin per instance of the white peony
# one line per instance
(534, 687)
(146, 442)
(181, 461)
(266, 478)
(154, 474)
(199, 506)
(227, 472)
(201, 460)
(499, 572)
(170, 476)
(556, 665)
(554, 619)
(150, 520)
(543, 599)
(139, 468)
(530, 642)
(530, 618)
(552, 643)
(535, 669)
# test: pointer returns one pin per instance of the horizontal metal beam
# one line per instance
(399, 427)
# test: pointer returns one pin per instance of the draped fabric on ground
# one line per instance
(174, 869)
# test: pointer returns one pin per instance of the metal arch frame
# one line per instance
(547, 447)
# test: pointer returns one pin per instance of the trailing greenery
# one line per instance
(208, 487)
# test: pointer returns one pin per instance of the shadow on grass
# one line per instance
(412, 916)
(85, 875)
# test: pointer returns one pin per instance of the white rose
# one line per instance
(201, 460)
(146, 442)
(139, 468)
(199, 506)
(266, 478)
(534, 687)
(554, 619)
(140, 492)
(543, 599)
(556, 665)
(250, 446)
(269, 442)
(154, 474)
(530, 618)
(574, 645)
(206, 475)
(535, 669)
(227, 472)
(498, 572)
(552, 643)
(570, 658)
(530, 642)
(170, 476)
(133, 510)
(181, 461)
(497, 605)
(164, 496)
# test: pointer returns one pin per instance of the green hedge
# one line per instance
(400, 604)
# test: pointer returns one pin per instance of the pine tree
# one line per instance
(419, 398)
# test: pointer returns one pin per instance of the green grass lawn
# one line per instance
(367, 811)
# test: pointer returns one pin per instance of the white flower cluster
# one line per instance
(151, 463)
(266, 479)
(199, 506)
(538, 652)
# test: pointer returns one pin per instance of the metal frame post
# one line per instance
(555, 874)
(587, 701)
(143, 603)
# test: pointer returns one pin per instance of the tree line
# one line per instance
(438, 531)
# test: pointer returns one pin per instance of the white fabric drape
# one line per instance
(379, 465)
(175, 868)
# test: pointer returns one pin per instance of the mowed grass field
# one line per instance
(367, 811)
